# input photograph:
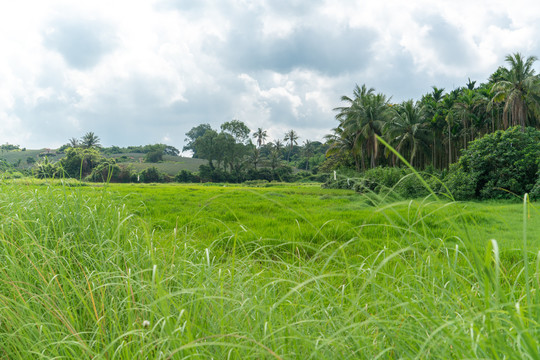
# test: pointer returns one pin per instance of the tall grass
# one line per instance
(81, 277)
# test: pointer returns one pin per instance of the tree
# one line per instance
(519, 89)
(237, 129)
(291, 137)
(205, 147)
(171, 150)
(192, 136)
(90, 140)
(363, 119)
(307, 150)
(261, 136)
(502, 163)
(79, 162)
(407, 130)
(154, 156)
(74, 142)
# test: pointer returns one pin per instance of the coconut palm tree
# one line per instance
(364, 119)
(307, 152)
(408, 130)
(519, 89)
(291, 137)
(261, 136)
(73, 142)
(90, 140)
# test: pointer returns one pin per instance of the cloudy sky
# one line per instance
(147, 71)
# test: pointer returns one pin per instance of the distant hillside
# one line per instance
(170, 165)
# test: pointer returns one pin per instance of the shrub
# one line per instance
(499, 164)
(154, 156)
(185, 176)
(151, 175)
(46, 169)
(79, 162)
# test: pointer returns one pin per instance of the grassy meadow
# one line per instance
(277, 272)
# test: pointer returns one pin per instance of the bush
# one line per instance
(151, 175)
(46, 169)
(185, 176)
(79, 162)
(499, 164)
(154, 156)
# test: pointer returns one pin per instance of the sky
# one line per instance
(147, 71)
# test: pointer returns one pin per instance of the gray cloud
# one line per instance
(82, 44)
(448, 42)
(328, 51)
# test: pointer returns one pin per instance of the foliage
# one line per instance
(46, 169)
(151, 175)
(192, 136)
(185, 176)
(79, 162)
(154, 156)
(434, 130)
(109, 171)
(90, 140)
(9, 147)
(502, 163)
(461, 184)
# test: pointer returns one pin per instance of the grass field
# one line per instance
(281, 272)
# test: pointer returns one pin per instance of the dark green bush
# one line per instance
(151, 175)
(185, 176)
(499, 165)
(154, 156)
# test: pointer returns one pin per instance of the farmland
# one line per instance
(283, 271)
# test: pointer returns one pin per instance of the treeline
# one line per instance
(231, 154)
(234, 154)
(433, 131)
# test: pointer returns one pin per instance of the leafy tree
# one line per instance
(206, 147)
(171, 150)
(192, 136)
(237, 129)
(154, 156)
(79, 162)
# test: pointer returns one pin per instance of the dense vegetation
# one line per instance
(433, 131)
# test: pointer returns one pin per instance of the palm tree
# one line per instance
(261, 136)
(351, 136)
(291, 136)
(408, 130)
(364, 119)
(464, 107)
(519, 90)
(255, 157)
(74, 142)
(342, 147)
(90, 140)
(308, 152)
